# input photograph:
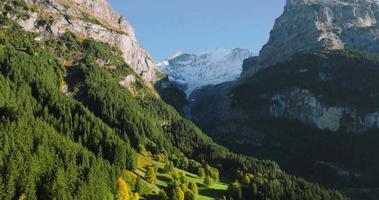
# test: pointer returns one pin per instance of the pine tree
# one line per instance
(189, 195)
(201, 172)
(162, 195)
(150, 174)
(138, 186)
(169, 167)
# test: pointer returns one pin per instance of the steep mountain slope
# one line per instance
(193, 71)
(315, 114)
(308, 25)
(71, 119)
(93, 19)
(309, 99)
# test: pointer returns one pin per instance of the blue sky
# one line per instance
(166, 26)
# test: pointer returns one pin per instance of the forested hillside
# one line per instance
(343, 79)
(70, 126)
(315, 114)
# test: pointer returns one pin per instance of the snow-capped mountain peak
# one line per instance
(176, 54)
(193, 71)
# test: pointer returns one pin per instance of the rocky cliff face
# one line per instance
(308, 25)
(314, 25)
(302, 105)
(94, 19)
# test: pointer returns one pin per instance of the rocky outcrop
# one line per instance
(250, 66)
(302, 105)
(94, 19)
(308, 25)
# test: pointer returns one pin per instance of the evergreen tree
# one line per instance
(138, 185)
(150, 174)
(201, 172)
(169, 167)
(162, 195)
(189, 195)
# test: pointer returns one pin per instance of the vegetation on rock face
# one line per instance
(77, 144)
(340, 78)
(343, 78)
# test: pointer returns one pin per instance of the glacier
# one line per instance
(192, 71)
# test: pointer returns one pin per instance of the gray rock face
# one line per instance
(307, 25)
(302, 105)
(250, 66)
(95, 19)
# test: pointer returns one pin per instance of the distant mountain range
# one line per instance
(192, 71)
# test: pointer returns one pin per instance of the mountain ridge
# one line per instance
(193, 71)
(94, 19)
(311, 25)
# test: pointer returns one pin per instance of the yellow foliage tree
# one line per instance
(123, 189)
(135, 196)
(177, 194)
(22, 197)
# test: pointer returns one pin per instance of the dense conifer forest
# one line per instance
(69, 130)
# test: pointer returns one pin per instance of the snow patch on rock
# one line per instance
(193, 71)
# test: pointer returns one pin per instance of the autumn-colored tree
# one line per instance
(246, 180)
(214, 174)
(136, 196)
(175, 175)
(177, 194)
(184, 187)
(123, 189)
(22, 197)
(208, 181)
(193, 187)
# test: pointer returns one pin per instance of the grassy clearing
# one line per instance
(205, 193)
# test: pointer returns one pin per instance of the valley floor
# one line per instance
(151, 191)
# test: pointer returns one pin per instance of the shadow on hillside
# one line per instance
(152, 197)
(164, 178)
(161, 171)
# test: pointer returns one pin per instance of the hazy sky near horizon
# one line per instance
(166, 26)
